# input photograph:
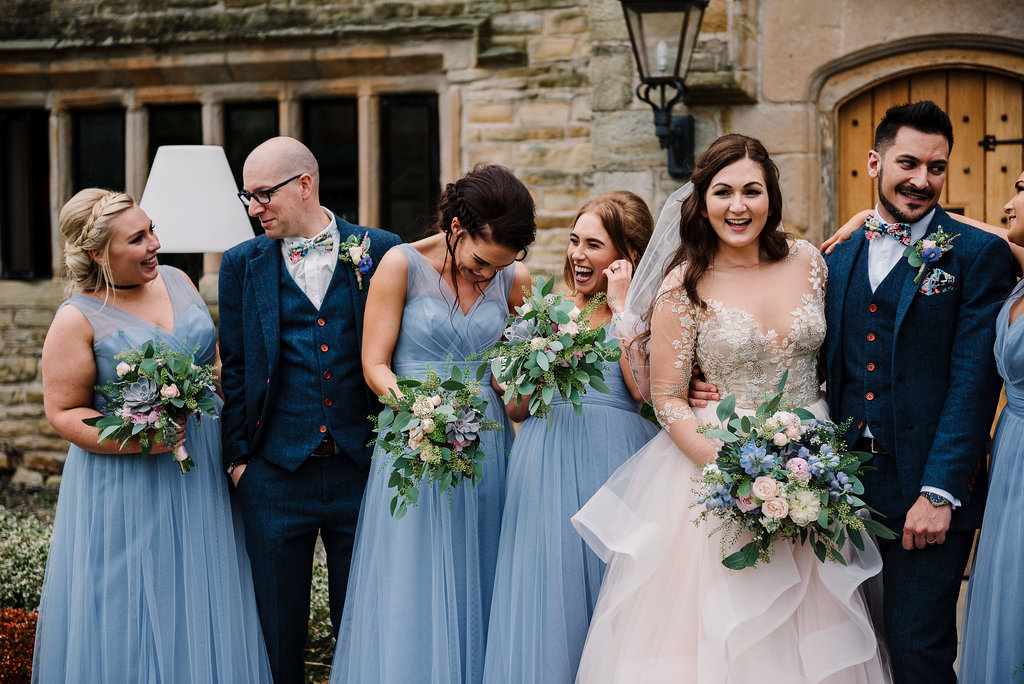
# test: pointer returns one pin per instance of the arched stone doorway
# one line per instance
(979, 102)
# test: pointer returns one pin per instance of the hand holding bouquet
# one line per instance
(550, 346)
(783, 473)
(432, 434)
(156, 390)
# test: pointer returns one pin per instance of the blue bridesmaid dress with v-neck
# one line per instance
(992, 641)
(147, 578)
(419, 591)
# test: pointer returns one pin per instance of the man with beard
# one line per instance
(908, 356)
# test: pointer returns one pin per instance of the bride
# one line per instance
(747, 304)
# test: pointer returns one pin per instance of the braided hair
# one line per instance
(85, 228)
(491, 204)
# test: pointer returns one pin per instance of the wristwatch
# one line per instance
(936, 499)
(234, 464)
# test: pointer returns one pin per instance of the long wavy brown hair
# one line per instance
(628, 222)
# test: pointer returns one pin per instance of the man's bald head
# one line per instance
(285, 157)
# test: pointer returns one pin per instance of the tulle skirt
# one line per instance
(548, 580)
(992, 643)
(419, 590)
(669, 611)
(148, 579)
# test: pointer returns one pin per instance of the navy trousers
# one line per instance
(283, 512)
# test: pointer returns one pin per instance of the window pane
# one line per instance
(97, 149)
(177, 125)
(329, 129)
(24, 194)
(174, 125)
(246, 125)
(410, 163)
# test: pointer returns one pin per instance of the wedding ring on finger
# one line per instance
(930, 541)
(615, 267)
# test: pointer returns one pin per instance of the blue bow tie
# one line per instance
(323, 242)
(875, 227)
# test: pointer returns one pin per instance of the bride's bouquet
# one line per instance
(432, 434)
(550, 346)
(156, 390)
(784, 474)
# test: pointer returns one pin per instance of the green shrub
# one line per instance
(24, 544)
(320, 643)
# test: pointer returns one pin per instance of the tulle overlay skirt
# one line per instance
(669, 611)
(148, 579)
(992, 642)
(548, 580)
(419, 590)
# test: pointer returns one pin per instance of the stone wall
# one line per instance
(29, 448)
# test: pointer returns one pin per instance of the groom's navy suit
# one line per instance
(291, 377)
(919, 370)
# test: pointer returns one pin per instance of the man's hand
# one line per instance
(926, 524)
(236, 474)
(700, 392)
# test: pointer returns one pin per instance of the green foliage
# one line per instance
(320, 642)
(24, 545)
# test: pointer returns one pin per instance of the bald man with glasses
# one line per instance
(295, 427)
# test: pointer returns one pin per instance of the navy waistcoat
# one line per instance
(868, 338)
(320, 386)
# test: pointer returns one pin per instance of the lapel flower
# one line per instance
(926, 251)
(356, 253)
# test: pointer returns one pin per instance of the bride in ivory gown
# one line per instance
(747, 304)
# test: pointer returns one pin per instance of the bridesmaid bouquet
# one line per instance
(156, 390)
(432, 434)
(550, 345)
(783, 473)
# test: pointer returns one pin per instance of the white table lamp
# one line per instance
(191, 198)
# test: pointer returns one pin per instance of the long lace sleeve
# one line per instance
(673, 339)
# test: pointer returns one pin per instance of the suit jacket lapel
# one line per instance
(265, 274)
(346, 230)
(909, 287)
(840, 271)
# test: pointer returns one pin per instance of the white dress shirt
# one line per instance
(883, 254)
(313, 272)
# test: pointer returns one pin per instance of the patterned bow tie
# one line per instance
(323, 242)
(875, 227)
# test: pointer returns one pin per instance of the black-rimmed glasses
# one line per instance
(263, 196)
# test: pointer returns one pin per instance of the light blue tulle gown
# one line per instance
(992, 641)
(548, 578)
(419, 590)
(148, 578)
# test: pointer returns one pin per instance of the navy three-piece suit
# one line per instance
(292, 376)
(919, 370)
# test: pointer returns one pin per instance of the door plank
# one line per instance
(856, 134)
(966, 178)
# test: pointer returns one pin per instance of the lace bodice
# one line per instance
(752, 331)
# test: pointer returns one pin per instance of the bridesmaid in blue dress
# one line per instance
(419, 591)
(548, 578)
(147, 578)
(992, 639)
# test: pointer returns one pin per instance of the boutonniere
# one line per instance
(924, 252)
(356, 253)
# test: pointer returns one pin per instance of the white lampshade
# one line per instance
(192, 200)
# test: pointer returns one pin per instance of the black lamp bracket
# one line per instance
(674, 132)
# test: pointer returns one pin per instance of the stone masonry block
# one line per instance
(490, 113)
(48, 462)
(563, 200)
(17, 428)
(35, 318)
(39, 443)
(545, 132)
(441, 9)
(567, 21)
(26, 478)
(493, 154)
(611, 72)
(557, 155)
(639, 182)
(517, 24)
(607, 22)
(782, 128)
(548, 48)
(5, 462)
(544, 113)
(17, 369)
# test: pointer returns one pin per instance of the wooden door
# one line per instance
(979, 103)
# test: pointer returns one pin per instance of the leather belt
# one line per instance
(871, 445)
(328, 447)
